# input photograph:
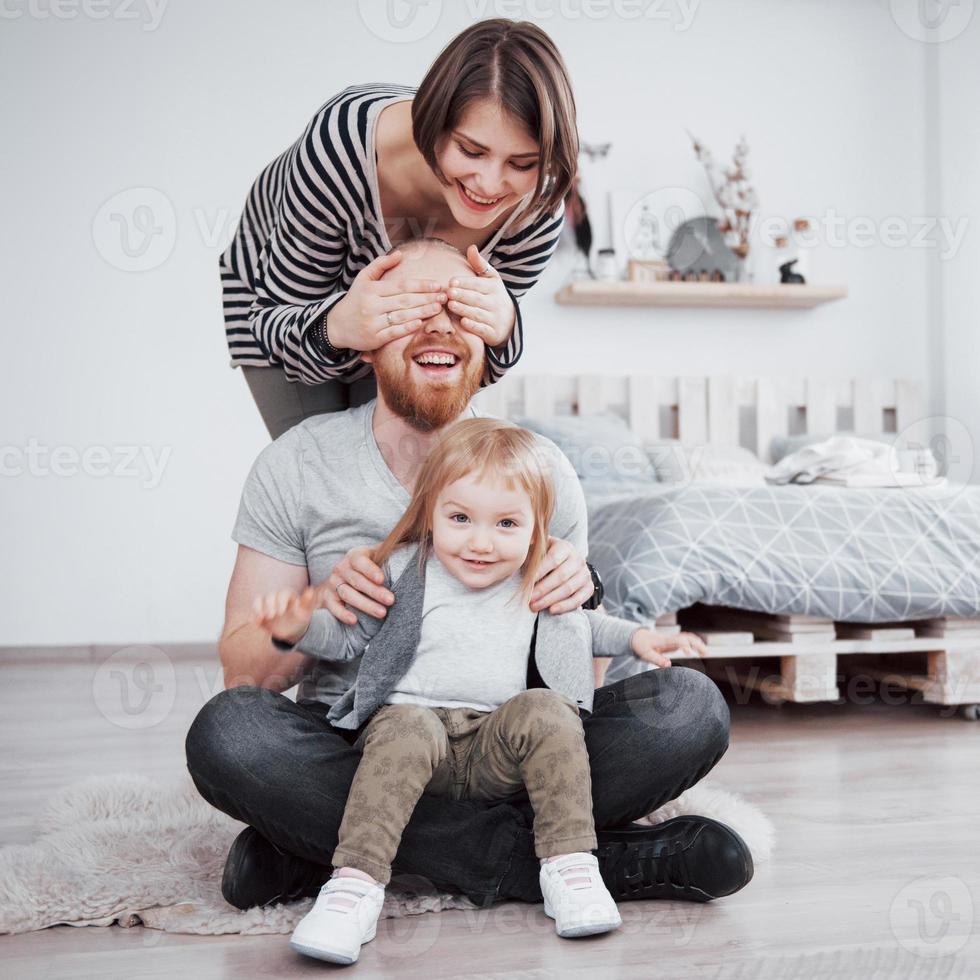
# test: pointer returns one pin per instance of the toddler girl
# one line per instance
(441, 695)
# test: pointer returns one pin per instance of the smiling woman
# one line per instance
(481, 156)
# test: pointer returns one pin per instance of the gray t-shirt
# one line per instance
(323, 488)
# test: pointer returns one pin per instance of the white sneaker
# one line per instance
(576, 897)
(343, 918)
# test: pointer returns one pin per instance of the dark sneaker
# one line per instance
(257, 873)
(690, 858)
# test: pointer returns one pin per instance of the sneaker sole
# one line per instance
(343, 956)
(583, 928)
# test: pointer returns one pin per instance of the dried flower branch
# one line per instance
(735, 195)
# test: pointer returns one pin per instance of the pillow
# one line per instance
(732, 466)
(606, 454)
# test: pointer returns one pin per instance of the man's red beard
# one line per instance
(426, 405)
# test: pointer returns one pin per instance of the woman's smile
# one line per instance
(476, 202)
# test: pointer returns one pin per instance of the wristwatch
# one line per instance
(594, 600)
(335, 353)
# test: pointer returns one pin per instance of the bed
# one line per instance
(812, 581)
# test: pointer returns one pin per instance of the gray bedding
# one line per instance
(855, 555)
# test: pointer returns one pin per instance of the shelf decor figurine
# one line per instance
(788, 274)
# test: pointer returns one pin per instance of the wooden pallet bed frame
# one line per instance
(939, 658)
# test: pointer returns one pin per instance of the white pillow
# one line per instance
(732, 466)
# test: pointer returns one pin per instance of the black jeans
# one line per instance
(280, 767)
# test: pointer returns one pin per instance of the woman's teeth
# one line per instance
(478, 200)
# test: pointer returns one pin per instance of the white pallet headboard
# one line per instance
(720, 409)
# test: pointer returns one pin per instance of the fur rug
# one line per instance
(125, 849)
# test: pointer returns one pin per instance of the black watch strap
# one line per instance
(594, 600)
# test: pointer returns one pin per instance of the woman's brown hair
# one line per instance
(517, 65)
(485, 447)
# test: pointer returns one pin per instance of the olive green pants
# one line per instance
(535, 741)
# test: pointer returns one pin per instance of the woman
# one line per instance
(481, 155)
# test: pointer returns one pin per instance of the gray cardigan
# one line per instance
(564, 648)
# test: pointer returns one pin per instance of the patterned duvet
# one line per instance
(857, 555)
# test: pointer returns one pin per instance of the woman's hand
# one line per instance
(564, 581)
(374, 312)
(653, 647)
(483, 304)
(285, 615)
(356, 581)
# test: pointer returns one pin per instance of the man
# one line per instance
(333, 483)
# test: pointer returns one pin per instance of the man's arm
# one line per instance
(247, 654)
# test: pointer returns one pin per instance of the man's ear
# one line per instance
(367, 356)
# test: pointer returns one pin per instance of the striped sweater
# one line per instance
(313, 220)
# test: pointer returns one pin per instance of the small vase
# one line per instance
(745, 269)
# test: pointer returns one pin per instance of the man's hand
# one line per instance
(653, 647)
(358, 582)
(285, 615)
(564, 581)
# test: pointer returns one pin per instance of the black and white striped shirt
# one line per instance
(313, 220)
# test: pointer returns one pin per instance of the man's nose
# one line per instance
(441, 323)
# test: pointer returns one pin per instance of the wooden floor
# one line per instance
(876, 872)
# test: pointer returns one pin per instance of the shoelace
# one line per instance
(671, 867)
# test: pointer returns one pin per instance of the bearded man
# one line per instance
(314, 503)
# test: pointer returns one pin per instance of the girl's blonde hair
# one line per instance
(483, 447)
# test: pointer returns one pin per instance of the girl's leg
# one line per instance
(401, 748)
(536, 740)
(538, 737)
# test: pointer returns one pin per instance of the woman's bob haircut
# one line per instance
(486, 447)
(515, 64)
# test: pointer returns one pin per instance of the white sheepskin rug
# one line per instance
(125, 849)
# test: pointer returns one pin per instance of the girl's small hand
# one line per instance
(356, 581)
(653, 647)
(483, 304)
(564, 581)
(285, 615)
(374, 312)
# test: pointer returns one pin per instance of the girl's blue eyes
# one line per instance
(507, 521)
(473, 156)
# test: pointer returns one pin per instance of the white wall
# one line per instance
(193, 99)
(956, 67)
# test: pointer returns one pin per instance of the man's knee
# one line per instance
(696, 696)
(213, 738)
(682, 698)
